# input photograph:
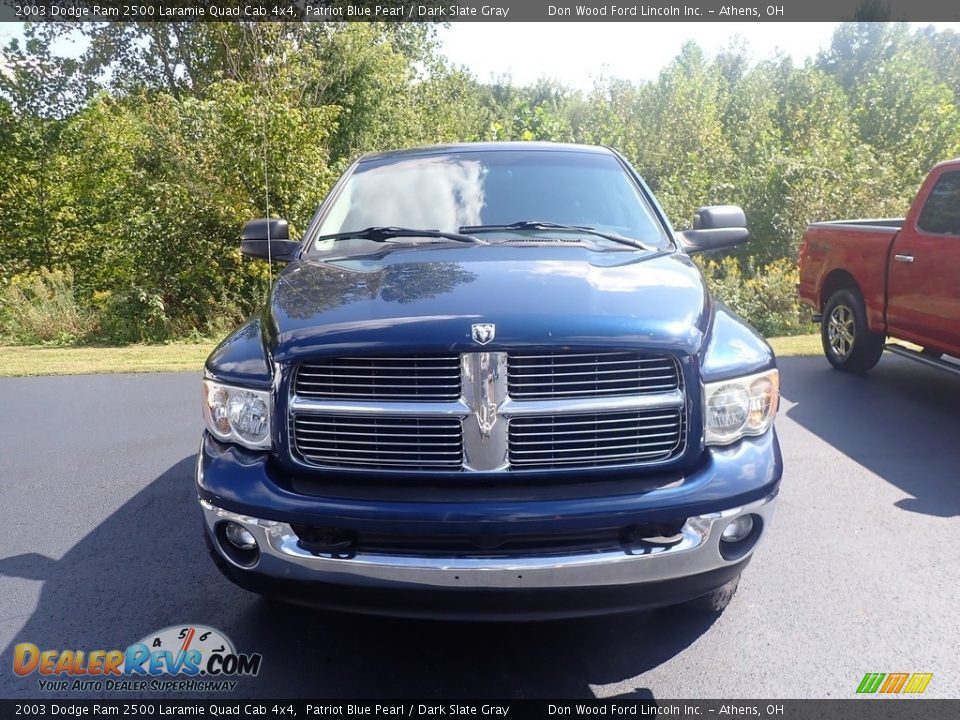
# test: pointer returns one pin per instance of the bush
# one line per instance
(40, 308)
(131, 315)
(766, 296)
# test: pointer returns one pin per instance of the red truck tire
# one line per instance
(848, 342)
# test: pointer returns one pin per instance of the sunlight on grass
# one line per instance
(796, 345)
(18, 361)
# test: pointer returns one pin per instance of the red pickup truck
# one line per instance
(868, 280)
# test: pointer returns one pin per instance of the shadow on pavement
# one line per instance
(901, 421)
(145, 568)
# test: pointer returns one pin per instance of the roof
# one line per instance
(487, 147)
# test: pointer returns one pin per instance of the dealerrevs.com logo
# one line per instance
(178, 658)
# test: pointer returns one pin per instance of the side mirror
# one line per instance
(714, 228)
(268, 238)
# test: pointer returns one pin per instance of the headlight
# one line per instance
(237, 414)
(740, 407)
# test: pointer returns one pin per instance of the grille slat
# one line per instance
(352, 441)
(591, 382)
(303, 431)
(589, 441)
(393, 464)
(377, 449)
(554, 433)
(601, 374)
(412, 437)
(380, 385)
(597, 461)
(596, 440)
(555, 421)
(319, 379)
(318, 442)
(595, 450)
(530, 377)
(415, 377)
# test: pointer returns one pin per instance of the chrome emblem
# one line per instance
(483, 332)
(486, 406)
(485, 442)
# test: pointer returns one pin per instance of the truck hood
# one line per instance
(426, 299)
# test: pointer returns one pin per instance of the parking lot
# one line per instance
(100, 545)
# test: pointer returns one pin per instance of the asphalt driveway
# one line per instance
(100, 544)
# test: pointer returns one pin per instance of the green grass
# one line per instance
(796, 345)
(20, 361)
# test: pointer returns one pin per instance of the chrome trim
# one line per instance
(485, 440)
(903, 258)
(508, 406)
(575, 406)
(434, 443)
(841, 331)
(409, 378)
(485, 409)
(603, 373)
(597, 440)
(458, 408)
(905, 352)
(483, 333)
(697, 552)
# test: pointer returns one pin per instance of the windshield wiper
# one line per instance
(384, 233)
(545, 225)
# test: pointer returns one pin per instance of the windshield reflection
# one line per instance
(450, 190)
(435, 193)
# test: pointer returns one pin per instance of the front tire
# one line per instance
(848, 342)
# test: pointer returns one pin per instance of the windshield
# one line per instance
(448, 191)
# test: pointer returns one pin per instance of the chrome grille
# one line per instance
(596, 439)
(489, 411)
(381, 441)
(421, 378)
(542, 376)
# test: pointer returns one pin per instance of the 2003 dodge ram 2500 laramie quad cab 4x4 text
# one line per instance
(490, 383)
(872, 279)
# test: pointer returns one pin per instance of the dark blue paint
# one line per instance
(250, 483)
(424, 300)
(734, 348)
(240, 358)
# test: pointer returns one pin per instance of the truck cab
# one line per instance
(490, 383)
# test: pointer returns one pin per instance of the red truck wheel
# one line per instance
(848, 343)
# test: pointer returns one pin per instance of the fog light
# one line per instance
(738, 529)
(240, 537)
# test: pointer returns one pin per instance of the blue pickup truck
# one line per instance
(490, 383)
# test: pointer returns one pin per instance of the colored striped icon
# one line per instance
(893, 683)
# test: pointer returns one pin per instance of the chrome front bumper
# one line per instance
(282, 557)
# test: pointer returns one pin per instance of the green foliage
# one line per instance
(137, 164)
(766, 296)
(39, 308)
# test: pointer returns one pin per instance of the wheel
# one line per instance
(848, 343)
(716, 601)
